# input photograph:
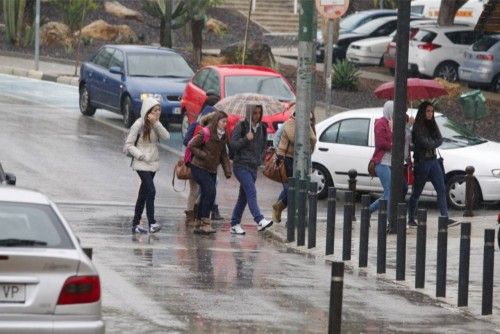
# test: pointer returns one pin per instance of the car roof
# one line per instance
(233, 69)
(141, 48)
(21, 195)
(445, 29)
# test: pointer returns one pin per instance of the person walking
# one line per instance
(426, 138)
(248, 143)
(142, 143)
(206, 158)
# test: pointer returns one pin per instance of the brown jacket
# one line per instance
(287, 141)
(209, 155)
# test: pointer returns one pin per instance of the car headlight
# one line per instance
(495, 172)
(154, 96)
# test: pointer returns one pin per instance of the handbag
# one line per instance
(371, 168)
(182, 170)
(408, 174)
(274, 166)
(440, 161)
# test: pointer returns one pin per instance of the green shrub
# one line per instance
(345, 75)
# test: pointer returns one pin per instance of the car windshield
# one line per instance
(350, 22)
(158, 65)
(369, 27)
(31, 225)
(455, 136)
(485, 43)
(267, 85)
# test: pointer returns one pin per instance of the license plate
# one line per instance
(177, 110)
(12, 293)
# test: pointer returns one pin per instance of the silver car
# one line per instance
(47, 283)
(482, 63)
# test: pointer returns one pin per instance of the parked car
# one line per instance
(7, 178)
(346, 141)
(119, 77)
(47, 283)
(369, 51)
(438, 51)
(228, 80)
(481, 66)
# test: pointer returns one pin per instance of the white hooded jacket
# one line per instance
(145, 153)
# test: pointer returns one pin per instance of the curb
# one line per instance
(39, 75)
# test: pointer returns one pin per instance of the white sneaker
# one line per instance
(263, 224)
(154, 228)
(236, 229)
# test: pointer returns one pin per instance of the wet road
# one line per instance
(173, 281)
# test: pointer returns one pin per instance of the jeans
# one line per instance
(384, 174)
(283, 197)
(146, 196)
(207, 183)
(247, 195)
(428, 170)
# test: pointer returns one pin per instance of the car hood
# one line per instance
(374, 41)
(157, 85)
(483, 157)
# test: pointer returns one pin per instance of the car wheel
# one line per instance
(128, 112)
(322, 177)
(455, 192)
(86, 107)
(447, 71)
(184, 125)
(495, 84)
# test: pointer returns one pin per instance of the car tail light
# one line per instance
(429, 46)
(80, 290)
(498, 218)
(487, 57)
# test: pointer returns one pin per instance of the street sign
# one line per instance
(332, 9)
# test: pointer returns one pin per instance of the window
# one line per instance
(103, 57)
(262, 84)
(424, 36)
(419, 10)
(200, 77)
(461, 37)
(330, 134)
(354, 132)
(158, 65)
(386, 29)
(212, 84)
(484, 44)
(117, 59)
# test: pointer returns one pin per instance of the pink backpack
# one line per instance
(188, 154)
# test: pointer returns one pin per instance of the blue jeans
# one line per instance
(283, 197)
(384, 174)
(428, 170)
(146, 197)
(247, 195)
(207, 182)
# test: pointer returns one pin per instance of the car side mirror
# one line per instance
(11, 179)
(116, 70)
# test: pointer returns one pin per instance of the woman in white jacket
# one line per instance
(142, 143)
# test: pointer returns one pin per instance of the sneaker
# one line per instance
(452, 222)
(412, 223)
(263, 224)
(138, 229)
(236, 229)
(153, 228)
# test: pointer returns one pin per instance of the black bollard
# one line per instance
(301, 211)
(463, 269)
(352, 173)
(330, 220)
(347, 242)
(488, 265)
(470, 183)
(290, 220)
(401, 243)
(313, 206)
(421, 249)
(442, 249)
(363, 237)
(336, 292)
(365, 201)
(382, 237)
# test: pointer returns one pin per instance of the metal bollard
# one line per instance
(470, 184)
(313, 206)
(352, 173)
(346, 240)
(421, 249)
(330, 220)
(488, 265)
(336, 292)
(363, 237)
(401, 243)
(290, 222)
(463, 269)
(382, 237)
(442, 249)
(301, 211)
(365, 201)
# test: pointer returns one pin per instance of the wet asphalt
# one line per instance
(174, 281)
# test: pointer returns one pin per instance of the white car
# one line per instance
(369, 51)
(439, 51)
(346, 141)
(47, 283)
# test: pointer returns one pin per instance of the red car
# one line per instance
(228, 80)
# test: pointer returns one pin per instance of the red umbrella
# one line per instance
(418, 89)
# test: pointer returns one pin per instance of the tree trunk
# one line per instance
(197, 37)
(163, 24)
(168, 26)
(448, 10)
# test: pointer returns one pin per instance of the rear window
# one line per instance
(31, 225)
(461, 37)
(484, 44)
(424, 36)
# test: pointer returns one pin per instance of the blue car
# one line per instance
(119, 77)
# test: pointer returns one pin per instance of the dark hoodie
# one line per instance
(248, 153)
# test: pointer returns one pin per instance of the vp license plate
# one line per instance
(12, 293)
(177, 110)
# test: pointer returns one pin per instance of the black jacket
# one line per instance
(424, 144)
(248, 153)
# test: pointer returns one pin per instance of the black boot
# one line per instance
(216, 214)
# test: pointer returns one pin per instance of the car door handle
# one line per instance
(324, 149)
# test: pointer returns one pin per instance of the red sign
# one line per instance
(332, 9)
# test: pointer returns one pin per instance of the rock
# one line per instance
(104, 31)
(216, 26)
(257, 54)
(117, 9)
(125, 35)
(56, 33)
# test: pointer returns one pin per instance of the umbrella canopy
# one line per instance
(236, 104)
(418, 89)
